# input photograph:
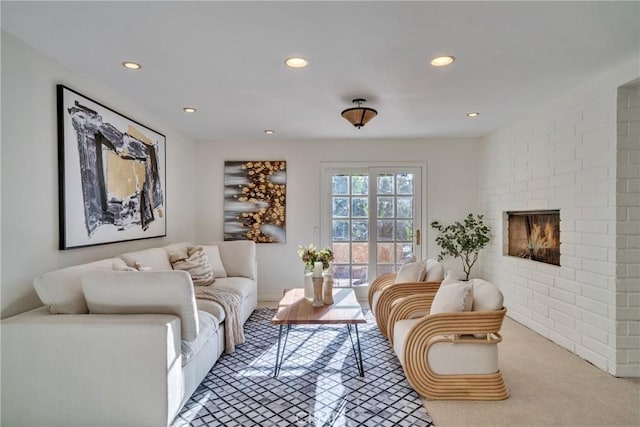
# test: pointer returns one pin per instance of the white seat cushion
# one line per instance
(207, 325)
(447, 357)
(374, 300)
(238, 285)
(400, 330)
(211, 307)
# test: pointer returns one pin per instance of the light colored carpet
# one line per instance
(549, 386)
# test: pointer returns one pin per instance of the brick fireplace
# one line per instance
(534, 235)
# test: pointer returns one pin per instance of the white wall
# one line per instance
(562, 156)
(451, 190)
(30, 180)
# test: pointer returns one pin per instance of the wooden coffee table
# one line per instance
(295, 309)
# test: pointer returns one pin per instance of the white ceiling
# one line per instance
(226, 59)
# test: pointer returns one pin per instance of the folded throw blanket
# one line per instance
(230, 302)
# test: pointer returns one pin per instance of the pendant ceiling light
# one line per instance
(359, 116)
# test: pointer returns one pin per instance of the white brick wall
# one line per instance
(572, 155)
(627, 240)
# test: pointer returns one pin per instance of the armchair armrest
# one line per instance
(428, 331)
(392, 293)
(408, 307)
(379, 283)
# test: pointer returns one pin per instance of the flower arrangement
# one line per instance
(310, 255)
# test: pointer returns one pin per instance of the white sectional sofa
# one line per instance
(65, 365)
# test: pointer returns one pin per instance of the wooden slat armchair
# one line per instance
(441, 357)
(383, 292)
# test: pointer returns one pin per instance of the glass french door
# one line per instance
(371, 220)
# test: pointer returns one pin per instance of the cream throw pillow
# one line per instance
(411, 272)
(453, 297)
(196, 264)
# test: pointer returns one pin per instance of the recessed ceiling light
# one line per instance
(296, 62)
(189, 109)
(442, 61)
(473, 114)
(131, 65)
(269, 131)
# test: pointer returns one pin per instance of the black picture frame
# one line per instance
(111, 174)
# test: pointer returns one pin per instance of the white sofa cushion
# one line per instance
(238, 285)
(154, 258)
(61, 290)
(207, 326)
(211, 307)
(213, 252)
(238, 257)
(153, 292)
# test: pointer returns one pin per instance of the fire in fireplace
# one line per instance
(535, 235)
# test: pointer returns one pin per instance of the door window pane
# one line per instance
(405, 183)
(385, 230)
(404, 251)
(360, 184)
(340, 230)
(381, 269)
(360, 275)
(385, 207)
(360, 253)
(405, 207)
(340, 206)
(340, 253)
(341, 276)
(360, 230)
(385, 184)
(340, 185)
(360, 207)
(405, 231)
(385, 253)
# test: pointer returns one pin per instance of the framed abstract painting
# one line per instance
(255, 194)
(111, 174)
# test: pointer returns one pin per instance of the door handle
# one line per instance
(418, 237)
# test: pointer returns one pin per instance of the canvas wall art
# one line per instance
(111, 174)
(255, 201)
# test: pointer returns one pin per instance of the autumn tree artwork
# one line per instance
(255, 201)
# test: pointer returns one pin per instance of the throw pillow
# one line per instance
(140, 267)
(411, 272)
(453, 297)
(434, 271)
(119, 266)
(197, 265)
(213, 252)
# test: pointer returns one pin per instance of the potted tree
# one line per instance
(463, 240)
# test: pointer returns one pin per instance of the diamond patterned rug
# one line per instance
(318, 384)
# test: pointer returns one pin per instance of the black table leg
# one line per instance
(280, 353)
(357, 355)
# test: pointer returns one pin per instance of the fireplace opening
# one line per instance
(534, 235)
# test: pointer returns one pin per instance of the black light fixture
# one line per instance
(359, 116)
